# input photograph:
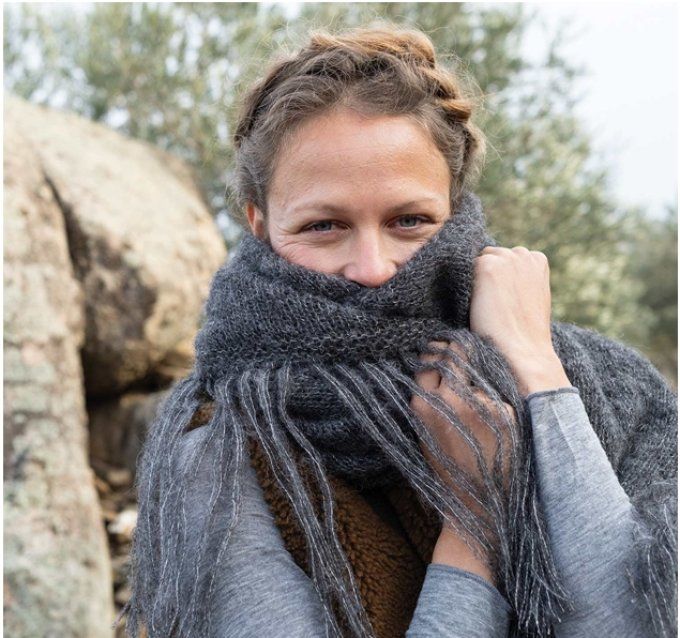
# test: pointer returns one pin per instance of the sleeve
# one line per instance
(592, 522)
(259, 590)
(457, 603)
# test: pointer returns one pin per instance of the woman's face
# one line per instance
(355, 196)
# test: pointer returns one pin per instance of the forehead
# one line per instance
(344, 150)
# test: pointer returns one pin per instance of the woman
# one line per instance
(384, 433)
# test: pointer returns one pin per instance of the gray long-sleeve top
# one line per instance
(261, 591)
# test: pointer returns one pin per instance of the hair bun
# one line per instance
(406, 44)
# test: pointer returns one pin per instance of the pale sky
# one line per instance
(630, 96)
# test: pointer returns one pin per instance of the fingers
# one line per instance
(521, 251)
(460, 372)
(485, 424)
(431, 379)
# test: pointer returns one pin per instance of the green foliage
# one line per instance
(171, 74)
(653, 261)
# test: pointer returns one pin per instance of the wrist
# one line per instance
(453, 551)
(540, 372)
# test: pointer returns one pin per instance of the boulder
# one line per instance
(141, 239)
(118, 430)
(57, 572)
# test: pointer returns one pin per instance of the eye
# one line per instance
(404, 221)
(412, 220)
(315, 227)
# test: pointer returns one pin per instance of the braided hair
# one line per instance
(383, 70)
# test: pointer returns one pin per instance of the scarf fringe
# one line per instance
(507, 524)
(331, 572)
(653, 573)
(509, 527)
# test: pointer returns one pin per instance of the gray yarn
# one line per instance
(305, 360)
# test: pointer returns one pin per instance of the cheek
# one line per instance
(321, 259)
(406, 249)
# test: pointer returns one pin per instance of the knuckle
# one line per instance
(490, 250)
(485, 264)
(457, 350)
(521, 250)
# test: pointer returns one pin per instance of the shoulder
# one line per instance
(621, 389)
(605, 358)
(630, 405)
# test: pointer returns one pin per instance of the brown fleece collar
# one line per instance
(389, 564)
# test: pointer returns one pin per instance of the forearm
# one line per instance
(456, 603)
(588, 514)
(589, 518)
(459, 596)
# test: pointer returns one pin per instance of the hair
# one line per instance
(377, 70)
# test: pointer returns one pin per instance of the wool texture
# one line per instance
(319, 371)
(388, 560)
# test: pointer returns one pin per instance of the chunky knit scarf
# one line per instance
(319, 371)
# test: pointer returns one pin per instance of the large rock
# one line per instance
(141, 239)
(56, 565)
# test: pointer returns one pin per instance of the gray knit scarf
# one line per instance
(313, 361)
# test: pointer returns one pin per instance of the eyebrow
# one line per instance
(331, 208)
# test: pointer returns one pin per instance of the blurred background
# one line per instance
(582, 125)
(118, 119)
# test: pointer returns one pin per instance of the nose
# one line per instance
(371, 265)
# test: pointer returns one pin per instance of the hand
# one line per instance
(451, 548)
(446, 434)
(511, 304)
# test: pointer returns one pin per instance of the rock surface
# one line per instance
(142, 242)
(118, 430)
(57, 569)
(109, 254)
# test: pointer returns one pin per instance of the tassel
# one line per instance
(406, 454)
(331, 572)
